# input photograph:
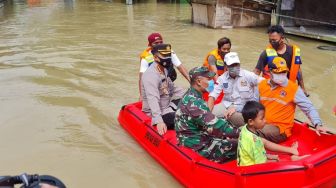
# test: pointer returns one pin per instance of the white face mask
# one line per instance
(234, 71)
(279, 78)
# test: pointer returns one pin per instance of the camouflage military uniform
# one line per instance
(197, 128)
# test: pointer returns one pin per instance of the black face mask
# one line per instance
(165, 62)
(223, 54)
(275, 44)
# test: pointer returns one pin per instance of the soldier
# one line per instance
(197, 128)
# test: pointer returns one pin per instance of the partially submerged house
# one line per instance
(309, 18)
(232, 13)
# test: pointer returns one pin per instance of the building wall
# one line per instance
(320, 10)
(230, 13)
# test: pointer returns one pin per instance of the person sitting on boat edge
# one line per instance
(239, 86)
(215, 58)
(158, 90)
(147, 58)
(251, 147)
(197, 128)
(278, 48)
(280, 96)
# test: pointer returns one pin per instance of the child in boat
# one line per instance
(251, 147)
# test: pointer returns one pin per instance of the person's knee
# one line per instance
(218, 111)
(273, 134)
(237, 119)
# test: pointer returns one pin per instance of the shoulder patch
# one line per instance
(298, 60)
(243, 83)
(283, 93)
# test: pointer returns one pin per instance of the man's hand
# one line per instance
(320, 129)
(162, 128)
(229, 112)
(306, 93)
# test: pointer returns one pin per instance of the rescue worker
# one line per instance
(146, 59)
(280, 96)
(278, 47)
(197, 128)
(239, 86)
(158, 90)
(215, 58)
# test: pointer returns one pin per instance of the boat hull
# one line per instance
(192, 170)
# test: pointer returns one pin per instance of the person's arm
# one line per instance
(177, 63)
(184, 72)
(211, 102)
(279, 148)
(140, 82)
(143, 67)
(309, 110)
(216, 127)
(215, 93)
(253, 79)
(301, 83)
(151, 89)
(212, 65)
(262, 62)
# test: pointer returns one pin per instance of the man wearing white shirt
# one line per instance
(238, 85)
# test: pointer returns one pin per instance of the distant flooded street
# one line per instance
(67, 67)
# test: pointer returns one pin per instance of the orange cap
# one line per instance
(278, 65)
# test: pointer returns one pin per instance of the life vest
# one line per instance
(219, 61)
(147, 55)
(295, 64)
(279, 105)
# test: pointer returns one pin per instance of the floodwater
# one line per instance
(66, 68)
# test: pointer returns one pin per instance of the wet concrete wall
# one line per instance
(323, 11)
(231, 13)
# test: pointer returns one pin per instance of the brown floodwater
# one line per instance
(66, 68)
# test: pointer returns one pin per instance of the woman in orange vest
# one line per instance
(215, 58)
(278, 47)
(280, 96)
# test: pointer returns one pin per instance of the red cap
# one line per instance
(154, 37)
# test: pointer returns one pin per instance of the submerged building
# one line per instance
(308, 18)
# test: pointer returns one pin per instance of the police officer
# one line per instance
(147, 58)
(197, 128)
(158, 90)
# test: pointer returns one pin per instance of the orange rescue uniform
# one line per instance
(279, 104)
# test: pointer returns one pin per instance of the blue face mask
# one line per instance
(211, 86)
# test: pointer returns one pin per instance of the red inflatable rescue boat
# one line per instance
(192, 170)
